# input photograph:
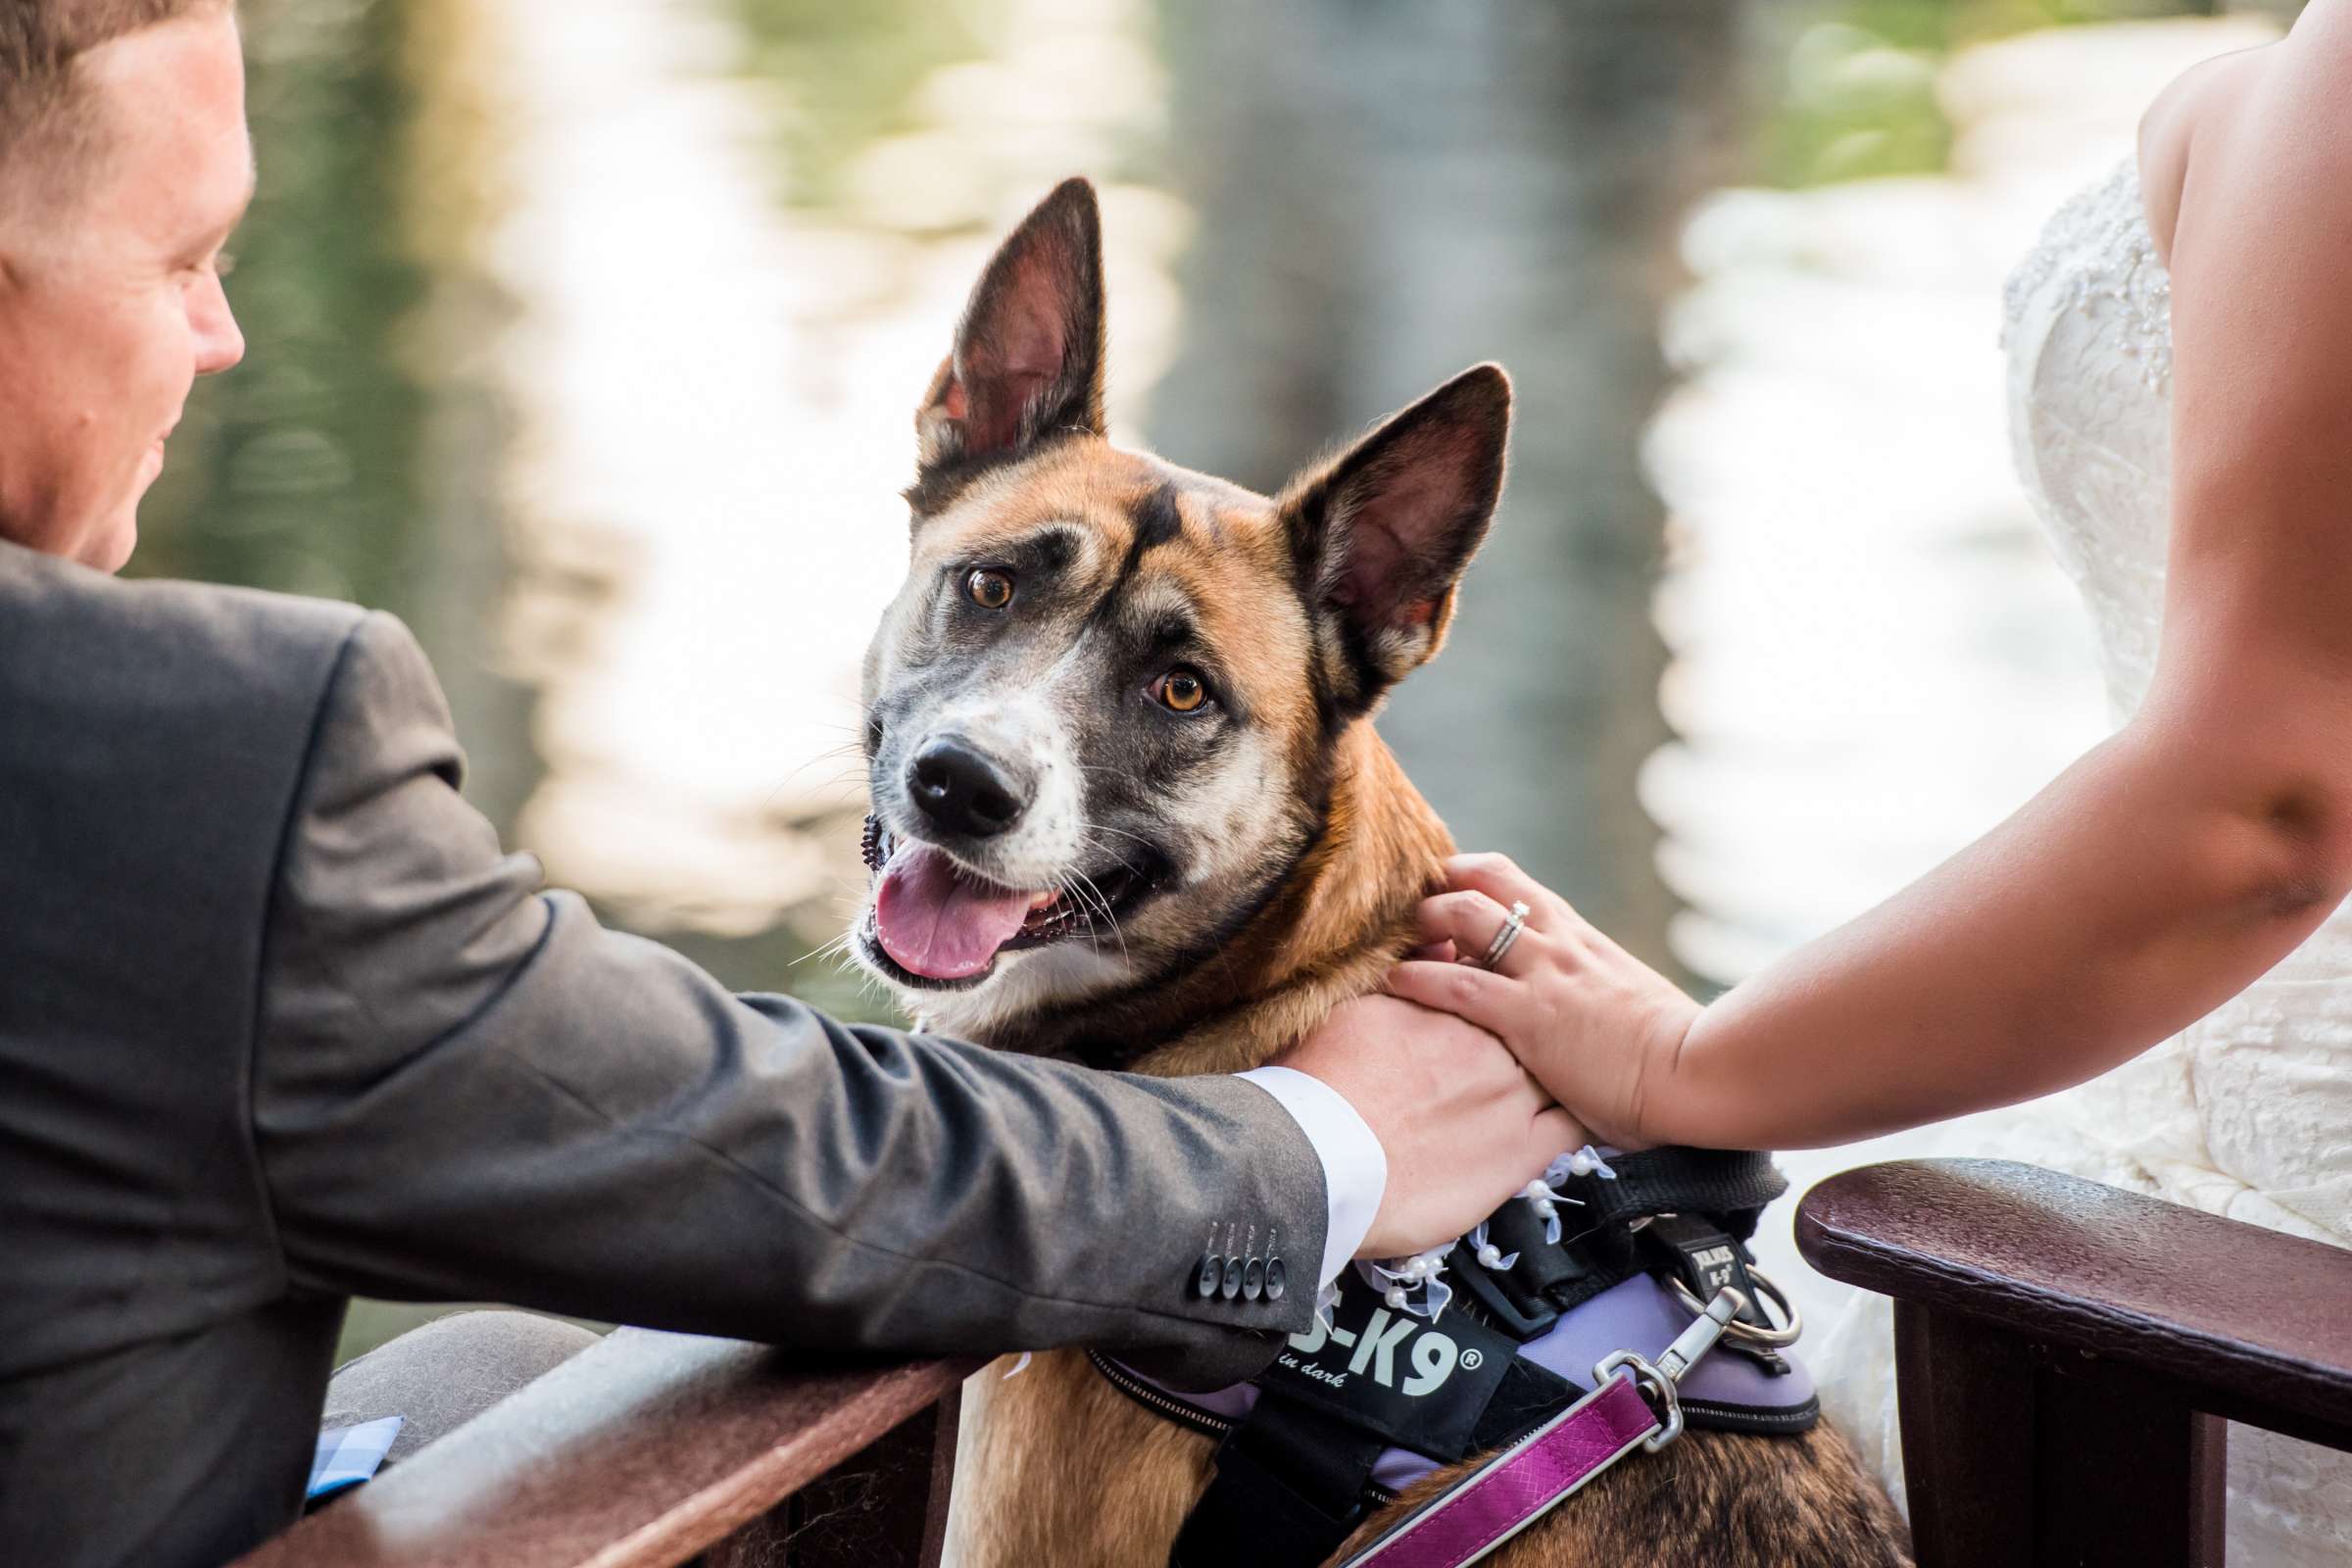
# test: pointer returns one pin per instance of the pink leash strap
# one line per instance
(1535, 1475)
(1521, 1483)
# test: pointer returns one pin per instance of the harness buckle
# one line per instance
(1658, 1381)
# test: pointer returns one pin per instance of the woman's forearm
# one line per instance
(2154, 879)
(2151, 882)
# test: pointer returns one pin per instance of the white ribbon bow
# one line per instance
(1411, 1284)
(1545, 1193)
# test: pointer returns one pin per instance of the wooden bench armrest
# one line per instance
(642, 1449)
(2253, 1323)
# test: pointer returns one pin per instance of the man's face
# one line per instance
(109, 292)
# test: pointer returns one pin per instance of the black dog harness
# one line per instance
(1376, 1394)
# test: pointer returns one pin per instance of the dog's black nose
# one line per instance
(962, 791)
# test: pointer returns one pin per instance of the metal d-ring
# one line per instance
(1793, 1322)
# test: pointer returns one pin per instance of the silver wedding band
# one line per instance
(1513, 926)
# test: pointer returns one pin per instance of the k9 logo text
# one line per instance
(1430, 1356)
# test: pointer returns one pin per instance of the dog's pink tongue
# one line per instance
(937, 924)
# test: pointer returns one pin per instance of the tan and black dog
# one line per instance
(1127, 789)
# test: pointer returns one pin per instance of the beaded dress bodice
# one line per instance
(2087, 323)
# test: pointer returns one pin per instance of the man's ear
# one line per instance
(1382, 533)
(1028, 354)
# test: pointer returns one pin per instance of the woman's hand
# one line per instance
(1591, 1022)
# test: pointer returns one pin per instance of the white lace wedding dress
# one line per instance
(2248, 1112)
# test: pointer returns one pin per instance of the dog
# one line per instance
(1126, 788)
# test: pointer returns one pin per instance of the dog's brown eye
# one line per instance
(989, 589)
(1182, 691)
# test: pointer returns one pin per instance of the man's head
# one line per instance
(123, 166)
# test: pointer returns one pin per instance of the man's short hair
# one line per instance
(45, 116)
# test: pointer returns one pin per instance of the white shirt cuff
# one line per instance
(1356, 1170)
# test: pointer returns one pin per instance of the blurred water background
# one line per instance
(586, 339)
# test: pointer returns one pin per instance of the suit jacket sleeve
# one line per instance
(465, 1088)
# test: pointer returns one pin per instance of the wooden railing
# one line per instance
(2067, 1354)
(650, 1450)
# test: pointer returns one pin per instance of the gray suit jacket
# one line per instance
(280, 1024)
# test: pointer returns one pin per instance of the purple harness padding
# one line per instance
(1635, 1314)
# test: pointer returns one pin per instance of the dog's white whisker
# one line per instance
(1109, 913)
(1084, 907)
(839, 943)
(828, 754)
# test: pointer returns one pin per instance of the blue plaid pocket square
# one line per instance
(349, 1455)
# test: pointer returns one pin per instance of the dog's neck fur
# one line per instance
(1325, 933)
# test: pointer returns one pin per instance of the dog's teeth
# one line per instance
(1044, 901)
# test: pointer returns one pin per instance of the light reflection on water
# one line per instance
(717, 389)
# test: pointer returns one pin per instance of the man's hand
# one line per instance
(1591, 1021)
(1462, 1124)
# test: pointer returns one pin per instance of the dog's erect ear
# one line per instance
(1382, 533)
(1028, 355)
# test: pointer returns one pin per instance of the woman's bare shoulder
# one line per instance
(2209, 99)
(2250, 186)
(2210, 90)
